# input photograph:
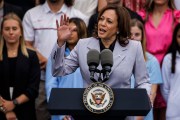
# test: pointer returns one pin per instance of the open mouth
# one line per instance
(101, 30)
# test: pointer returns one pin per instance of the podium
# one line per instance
(127, 102)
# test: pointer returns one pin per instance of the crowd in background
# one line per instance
(34, 24)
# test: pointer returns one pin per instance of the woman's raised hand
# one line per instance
(63, 30)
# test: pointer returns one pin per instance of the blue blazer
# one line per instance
(127, 60)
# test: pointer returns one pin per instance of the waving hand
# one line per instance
(63, 30)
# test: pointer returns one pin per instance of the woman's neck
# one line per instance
(12, 47)
(160, 9)
(107, 43)
(71, 47)
(12, 50)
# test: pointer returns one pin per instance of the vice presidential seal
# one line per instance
(98, 98)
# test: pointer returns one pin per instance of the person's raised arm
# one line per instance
(60, 65)
(63, 30)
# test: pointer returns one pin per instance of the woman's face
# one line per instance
(11, 31)
(108, 25)
(178, 37)
(74, 35)
(136, 33)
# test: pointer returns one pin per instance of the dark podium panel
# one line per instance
(127, 102)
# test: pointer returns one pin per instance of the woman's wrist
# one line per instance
(15, 102)
(60, 43)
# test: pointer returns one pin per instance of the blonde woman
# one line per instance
(19, 72)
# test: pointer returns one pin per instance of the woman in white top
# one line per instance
(171, 77)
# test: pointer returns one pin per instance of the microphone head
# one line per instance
(106, 57)
(93, 57)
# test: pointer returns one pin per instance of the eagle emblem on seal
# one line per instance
(98, 98)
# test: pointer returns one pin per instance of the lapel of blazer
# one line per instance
(21, 62)
(118, 55)
(18, 73)
(5, 65)
(94, 44)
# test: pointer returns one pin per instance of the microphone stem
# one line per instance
(100, 79)
(92, 76)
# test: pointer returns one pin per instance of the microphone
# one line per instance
(106, 62)
(93, 62)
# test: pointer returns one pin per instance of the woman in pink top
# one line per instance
(160, 18)
(134, 5)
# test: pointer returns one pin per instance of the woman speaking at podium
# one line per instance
(112, 32)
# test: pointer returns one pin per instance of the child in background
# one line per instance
(152, 65)
(171, 77)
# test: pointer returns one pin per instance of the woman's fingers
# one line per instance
(67, 21)
(64, 20)
(67, 117)
(61, 20)
(2, 109)
(57, 24)
(2, 99)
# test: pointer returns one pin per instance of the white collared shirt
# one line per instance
(39, 25)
